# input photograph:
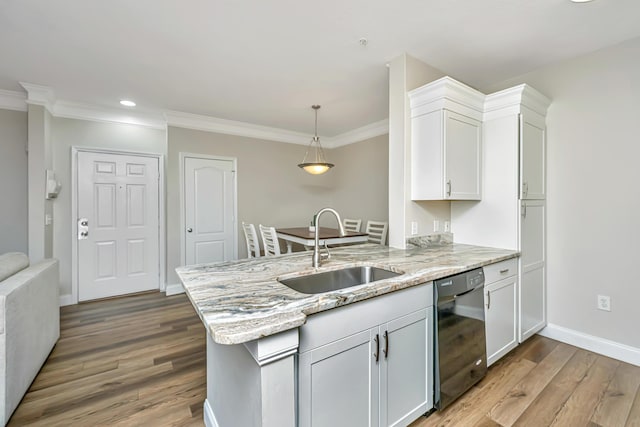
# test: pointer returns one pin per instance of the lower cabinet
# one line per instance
(532, 302)
(501, 308)
(381, 376)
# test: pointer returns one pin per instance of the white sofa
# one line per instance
(29, 324)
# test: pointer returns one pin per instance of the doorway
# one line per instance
(208, 209)
(117, 223)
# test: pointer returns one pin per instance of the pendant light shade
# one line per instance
(317, 164)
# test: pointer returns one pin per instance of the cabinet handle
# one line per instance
(376, 354)
(386, 344)
(488, 300)
(506, 270)
(525, 189)
(524, 210)
(449, 188)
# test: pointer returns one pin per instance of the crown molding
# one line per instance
(45, 96)
(232, 127)
(73, 110)
(511, 100)
(359, 134)
(447, 93)
(39, 95)
(10, 100)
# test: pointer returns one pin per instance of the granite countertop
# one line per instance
(240, 301)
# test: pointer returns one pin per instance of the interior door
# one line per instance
(209, 211)
(118, 232)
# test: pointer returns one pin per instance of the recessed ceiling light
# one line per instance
(581, 1)
(128, 103)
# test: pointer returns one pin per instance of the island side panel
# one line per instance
(252, 384)
(234, 396)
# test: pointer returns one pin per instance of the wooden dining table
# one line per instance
(329, 236)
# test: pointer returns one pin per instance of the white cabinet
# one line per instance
(380, 376)
(446, 141)
(532, 164)
(533, 313)
(501, 308)
(511, 214)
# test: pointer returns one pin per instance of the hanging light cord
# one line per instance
(319, 151)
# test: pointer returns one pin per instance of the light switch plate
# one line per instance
(414, 228)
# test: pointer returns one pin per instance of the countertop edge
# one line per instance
(245, 330)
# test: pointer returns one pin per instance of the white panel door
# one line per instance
(209, 194)
(118, 201)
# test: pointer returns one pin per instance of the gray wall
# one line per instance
(272, 190)
(592, 191)
(362, 179)
(66, 133)
(13, 181)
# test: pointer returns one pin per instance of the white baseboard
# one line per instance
(598, 345)
(66, 300)
(174, 289)
(209, 418)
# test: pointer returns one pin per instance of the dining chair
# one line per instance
(251, 237)
(377, 231)
(269, 240)
(352, 225)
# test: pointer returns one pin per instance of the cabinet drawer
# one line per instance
(500, 270)
(331, 325)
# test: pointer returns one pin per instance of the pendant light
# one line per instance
(319, 164)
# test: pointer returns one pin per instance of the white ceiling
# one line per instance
(266, 61)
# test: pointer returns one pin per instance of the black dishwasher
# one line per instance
(460, 345)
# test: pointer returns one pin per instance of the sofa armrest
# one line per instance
(30, 314)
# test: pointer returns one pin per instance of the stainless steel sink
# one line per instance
(337, 279)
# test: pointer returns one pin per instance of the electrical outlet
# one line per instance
(436, 225)
(604, 302)
(447, 226)
(414, 228)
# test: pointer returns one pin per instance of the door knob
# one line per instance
(189, 230)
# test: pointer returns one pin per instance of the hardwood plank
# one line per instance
(541, 348)
(136, 360)
(580, 406)
(544, 408)
(510, 407)
(618, 399)
(633, 420)
(474, 404)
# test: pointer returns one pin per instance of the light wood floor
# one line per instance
(547, 383)
(131, 361)
(140, 360)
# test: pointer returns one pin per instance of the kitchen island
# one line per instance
(253, 320)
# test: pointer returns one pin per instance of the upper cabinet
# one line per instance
(529, 108)
(532, 159)
(446, 141)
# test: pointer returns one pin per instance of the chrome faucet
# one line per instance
(317, 258)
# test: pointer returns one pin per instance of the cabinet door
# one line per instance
(406, 380)
(501, 320)
(462, 151)
(532, 291)
(532, 158)
(338, 383)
